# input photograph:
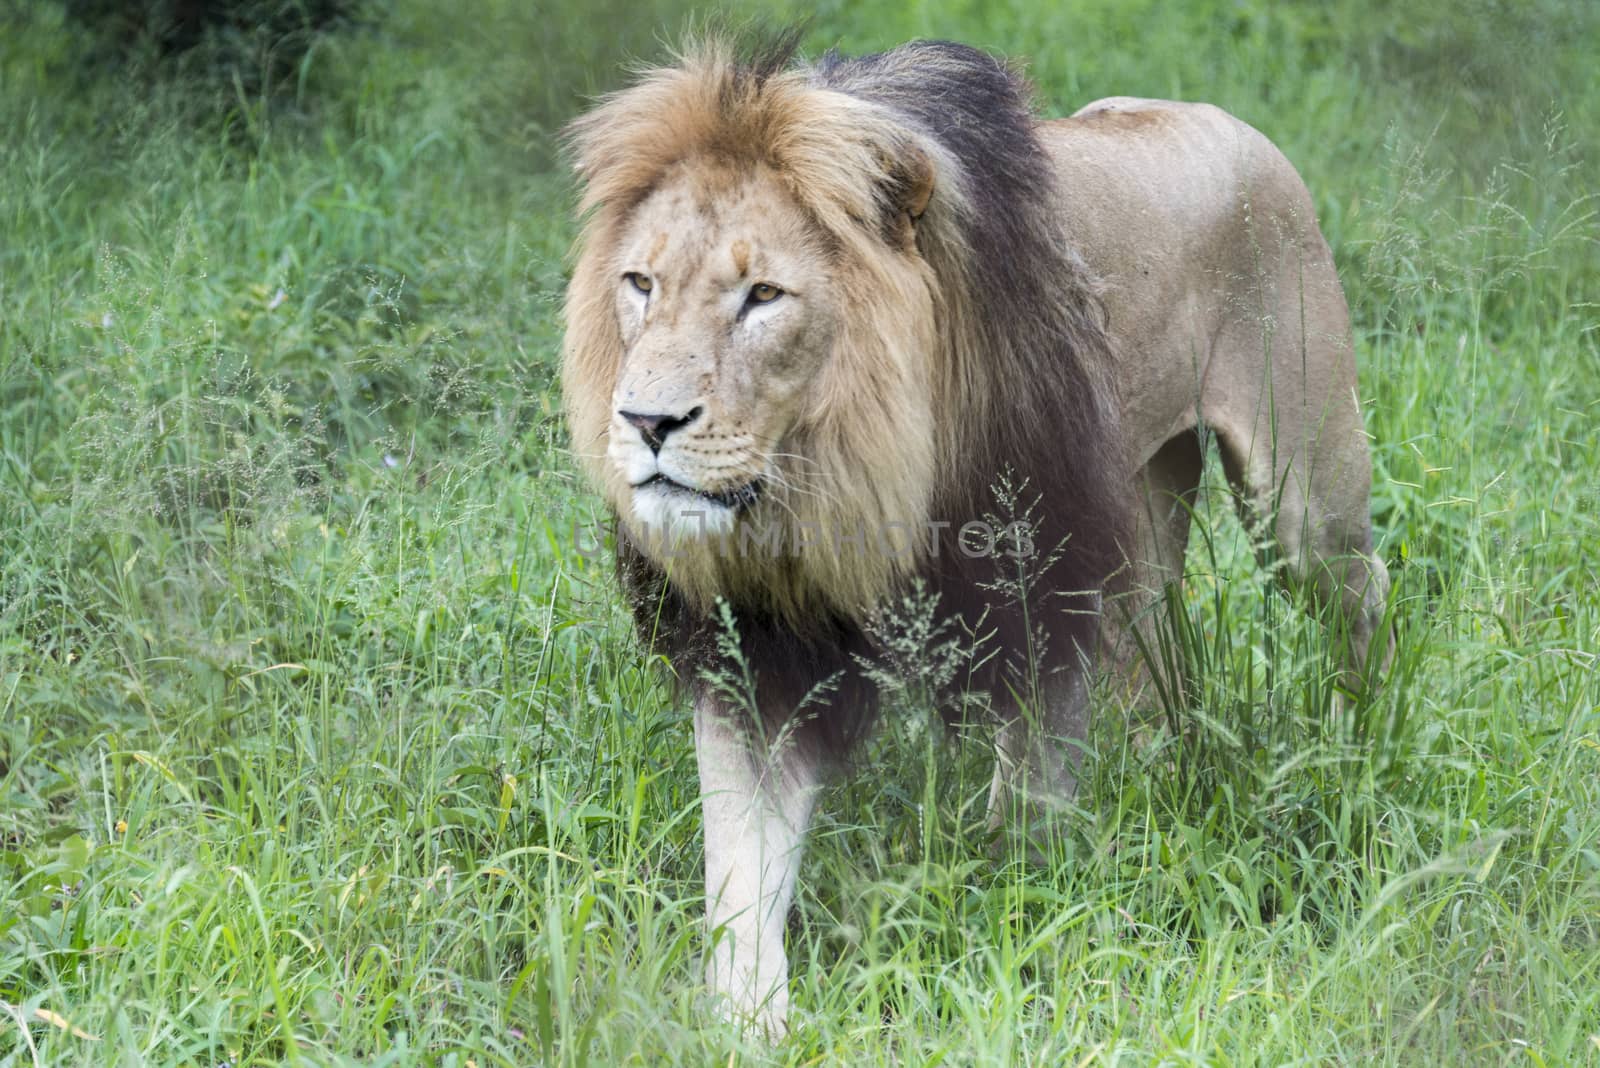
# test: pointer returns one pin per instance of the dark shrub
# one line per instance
(261, 43)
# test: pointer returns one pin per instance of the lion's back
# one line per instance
(1178, 209)
(1169, 171)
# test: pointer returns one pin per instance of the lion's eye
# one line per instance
(642, 282)
(762, 293)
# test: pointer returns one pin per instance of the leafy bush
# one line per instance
(259, 43)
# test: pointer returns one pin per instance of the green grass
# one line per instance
(319, 743)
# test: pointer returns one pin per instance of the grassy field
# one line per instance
(321, 744)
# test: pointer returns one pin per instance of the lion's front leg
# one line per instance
(1036, 758)
(756, 806)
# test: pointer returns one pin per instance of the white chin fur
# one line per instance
(634, 461)
(673, 517)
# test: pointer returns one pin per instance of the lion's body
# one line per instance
(1225, 312)
(862, 296)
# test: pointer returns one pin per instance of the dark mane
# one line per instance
(1028, 382)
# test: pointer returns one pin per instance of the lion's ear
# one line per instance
(916, 186)
(908, 188)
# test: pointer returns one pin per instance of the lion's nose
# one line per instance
(655, 426)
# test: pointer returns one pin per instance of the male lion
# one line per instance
(819, 313)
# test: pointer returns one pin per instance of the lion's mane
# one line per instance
(991, 314)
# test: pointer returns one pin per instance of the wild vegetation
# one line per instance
(324, 741)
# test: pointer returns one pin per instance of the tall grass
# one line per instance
(320, 742)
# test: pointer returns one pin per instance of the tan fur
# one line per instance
(1222, 303)
(1225, 310)
(1158, 268)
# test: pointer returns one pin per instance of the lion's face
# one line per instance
(752, 340)
(725, 305)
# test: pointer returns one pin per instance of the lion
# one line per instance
(838, 333)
